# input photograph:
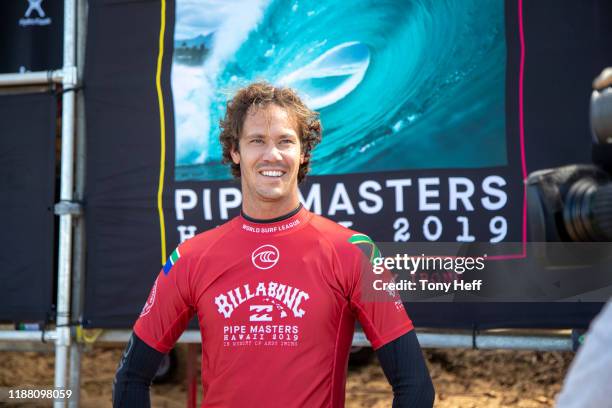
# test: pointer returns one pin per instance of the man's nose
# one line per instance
(272, 153)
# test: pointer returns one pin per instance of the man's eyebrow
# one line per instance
(260, 135)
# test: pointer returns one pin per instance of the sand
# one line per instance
(462, 378)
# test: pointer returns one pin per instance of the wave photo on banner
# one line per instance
(413, 84)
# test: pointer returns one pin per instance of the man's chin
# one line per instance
(270, 194)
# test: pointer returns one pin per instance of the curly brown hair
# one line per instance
(262, 94)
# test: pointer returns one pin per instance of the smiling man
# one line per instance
(269, 156)
(277, 289)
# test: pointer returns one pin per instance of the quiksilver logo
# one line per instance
(265, 257)
(34, 7)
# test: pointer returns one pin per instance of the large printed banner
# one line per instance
(413, 99)
(433, 112)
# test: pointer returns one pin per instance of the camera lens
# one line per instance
(587, 214)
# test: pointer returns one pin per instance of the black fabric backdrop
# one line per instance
(27, 185)
(566, 45)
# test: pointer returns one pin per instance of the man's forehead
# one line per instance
(267, 115)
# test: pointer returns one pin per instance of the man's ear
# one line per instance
(235, 155)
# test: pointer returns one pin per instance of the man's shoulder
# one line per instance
(204, 241)
(341, 237)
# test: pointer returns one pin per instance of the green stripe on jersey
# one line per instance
(364, 239)
(175, 256)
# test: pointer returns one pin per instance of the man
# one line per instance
(277, 289)
(587, 383)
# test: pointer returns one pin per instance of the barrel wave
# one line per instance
(400, 85)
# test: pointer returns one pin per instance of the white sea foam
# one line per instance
(335, 62)
(193, 87)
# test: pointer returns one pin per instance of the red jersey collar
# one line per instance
(274, 227)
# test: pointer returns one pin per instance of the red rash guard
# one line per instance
(276, 303)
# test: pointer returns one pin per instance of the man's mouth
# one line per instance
(272, 173)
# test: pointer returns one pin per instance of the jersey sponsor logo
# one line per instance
(265, 257)
(284, 297)
(150, 301)
(261, 313)
(174, 256)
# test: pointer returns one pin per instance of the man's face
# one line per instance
(269, 155)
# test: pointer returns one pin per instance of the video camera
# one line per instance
(573, 203)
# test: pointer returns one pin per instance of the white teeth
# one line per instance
(272, 173)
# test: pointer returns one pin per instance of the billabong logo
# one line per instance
(281, 296)
(34, 6)
(265, 257)
(261, 313)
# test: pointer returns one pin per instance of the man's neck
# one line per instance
(283, 217)
(269, 210)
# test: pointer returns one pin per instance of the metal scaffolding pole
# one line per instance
(557, 340)
(32, 78)
(27, 336)
(63, 209)
(78, 286)
(494, 339)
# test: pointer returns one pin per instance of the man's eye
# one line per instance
(257, 141)
(287, 141)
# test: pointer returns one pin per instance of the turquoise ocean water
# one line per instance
(411, 84)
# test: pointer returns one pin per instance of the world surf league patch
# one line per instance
(174, 256)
